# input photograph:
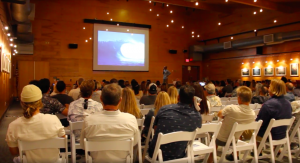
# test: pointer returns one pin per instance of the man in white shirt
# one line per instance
(110, 124)
(34, 126)
(74, 93)
(241, 113)
(211, 95)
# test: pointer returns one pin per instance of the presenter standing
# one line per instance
(166, 73)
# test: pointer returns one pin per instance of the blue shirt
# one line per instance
(172, 118)
(289, 96)
(166, 73)
(277, 108)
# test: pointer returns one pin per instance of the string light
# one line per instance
(149, 1)
(193, 36)
(255, 0)
(127, 30)
(14, 54)
(106, 29)
(196, 3)
(266, 61)
(291, 59)
(171, 11)
(242, 63)
(261, 10)
(277, 60)
(6, 28)
(16, 46)
(111, 19)
(117, 24)
(253, 62)
(11, 44)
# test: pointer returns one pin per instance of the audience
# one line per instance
(110, 124)
(297, 89)
(143, 87)
(204, 104)
(210, 95)
(238, 83)
(158, 86)
(127, 84)
(84, 106)
(151, 97)
(178, 85)
(284, 79)
(261, 92)
(34, 82)
(113, 80)
(61, 95)
(228, 88)
(128, 103)
(121, 83)
(74, 93)
(161, 100)
(184, 118)
(164, 87)
(50, 105)
(96, 94)
(276, 107)
(241, 114)
(289, 92)
(173, 93)
(33, 126)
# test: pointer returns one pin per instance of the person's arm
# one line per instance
(65, 111)
(12, 142)
(14, 151)
(222, 113)
(168, 73)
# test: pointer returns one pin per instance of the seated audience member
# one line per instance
(143, 87)
(75, 93)
(228, 88)
(289, 92)
(110, 124)
(284, 79)
(113, 80)
(34, 82)
(127, 84)
(178, 85)
(276, 107)
(297, 89)
(211, 95)
(241, 114)
(184, 118)
(296, 113)
(84, 106)
(173, 94)
(261, 92)
(121, 83)
(204, 104)
(128, 103)
(61, 96)
(96, 94)
(54, 92)
(151, 97)
(238, 83)
(33, 126)
(137, 92)
(50, 105)
(164, 87)
(158, 86)
(161, 100)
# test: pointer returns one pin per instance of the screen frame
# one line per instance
(118, 28)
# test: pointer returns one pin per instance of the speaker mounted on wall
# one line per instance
(259, 50)
(172, 51)
(73, 46)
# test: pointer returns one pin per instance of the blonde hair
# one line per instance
(173, 94)
(244, 93)
(162, 99)
(277, 87)
(128, 103)
(30, 107)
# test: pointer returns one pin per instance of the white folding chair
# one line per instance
(208, 118)
(42, 144)
(73, 127)
(232, 102)
(224, 100)
(258, 106)
(233, 98)
(296, 130)
(150, 132)
(242, 145)
(140, 123)
(285, 141)
(215, 109)
(118, 145)
(256, 111)
(253, 106)
(144, 111)
(170, 138)
(200, 148)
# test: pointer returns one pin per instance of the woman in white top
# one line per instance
(33, 126)
(204, 104)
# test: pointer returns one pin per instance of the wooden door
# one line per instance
(190, 73)
(41, 70)
(26, 74)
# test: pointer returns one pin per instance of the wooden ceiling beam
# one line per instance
(265, 5)
(201, 5)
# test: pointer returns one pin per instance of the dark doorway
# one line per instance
(190, 73)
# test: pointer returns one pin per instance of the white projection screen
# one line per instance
(120, 48)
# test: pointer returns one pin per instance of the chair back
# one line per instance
(208, 118)
(233, 98)
(258, 106)
(216, 108)
(253, 106)
(295, 130)
(61, 142)
(140, 123)
(93, 145)
(211, 128)
(256, 111)
(232, 102)
(144, 111)
(76, 125)
(150, 132)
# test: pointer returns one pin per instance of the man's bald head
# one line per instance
(289, 86)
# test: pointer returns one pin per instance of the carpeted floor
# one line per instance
(15, 111)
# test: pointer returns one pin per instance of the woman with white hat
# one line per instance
(33, 126)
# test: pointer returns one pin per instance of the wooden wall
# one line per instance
(5, 78)
(58, 23)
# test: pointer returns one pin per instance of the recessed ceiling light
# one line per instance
(226, 0)
(231, 38)
(167, 25)
(261, 10)
(255, 0)
(198, 35)
(171, 11)
(157, 15)
(255, 30)
(196, 3)
(167, 5)
(219, 23)
(150, 9)
(254, 12)
(182, 27)
(172, 21)
(193, 32)
(275, 21)
(193, 36)
(107, 13)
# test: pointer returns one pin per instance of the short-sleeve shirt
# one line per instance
(75, 93)
(172, 118)
(214, 100)
(277, 108)
(290, 96)
(51, 105)
(108, 126)
(148, 99)
(38, 127)
(63, 98)
(242, 114)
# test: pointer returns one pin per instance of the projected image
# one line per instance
(121, 49)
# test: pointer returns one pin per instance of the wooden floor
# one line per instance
(15, 111)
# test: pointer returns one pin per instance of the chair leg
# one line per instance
(245, 156)
(272, 153)
(282, 152)
(289, 151)
(215, 155)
